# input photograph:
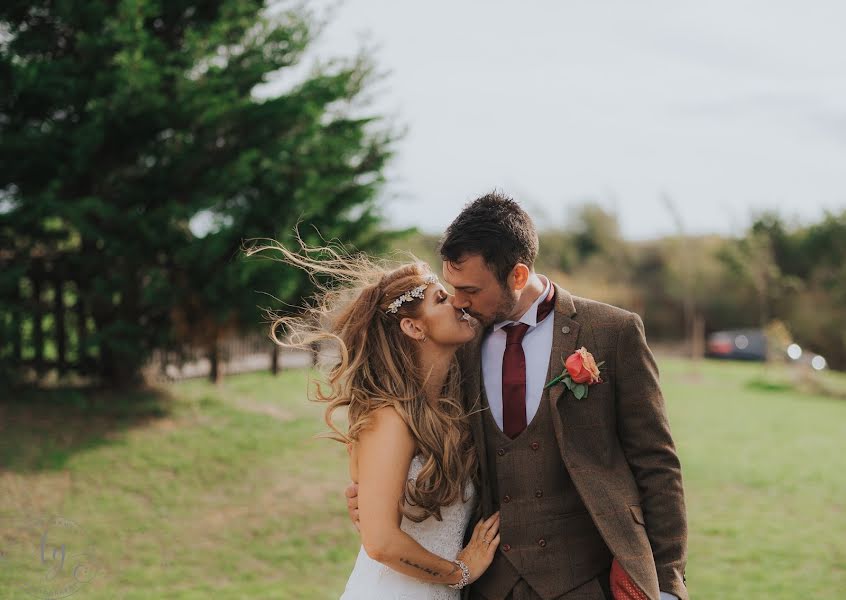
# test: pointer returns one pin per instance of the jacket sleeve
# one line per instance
(644, 433)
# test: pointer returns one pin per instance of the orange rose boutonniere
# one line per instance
(580, 372)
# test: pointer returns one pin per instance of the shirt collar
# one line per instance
(530, 317)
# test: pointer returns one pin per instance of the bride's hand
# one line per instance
(479, 553)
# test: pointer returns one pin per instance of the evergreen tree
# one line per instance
(123, 122)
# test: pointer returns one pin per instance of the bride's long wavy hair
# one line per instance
(378, 365)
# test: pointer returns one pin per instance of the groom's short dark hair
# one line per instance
(495, 227)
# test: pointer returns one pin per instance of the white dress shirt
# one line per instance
(537, 346)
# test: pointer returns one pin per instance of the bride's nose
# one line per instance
(459, 311)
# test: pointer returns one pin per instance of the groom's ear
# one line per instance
(519, 276)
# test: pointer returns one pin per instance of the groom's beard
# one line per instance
(504, 309)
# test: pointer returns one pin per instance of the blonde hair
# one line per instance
(378, 365)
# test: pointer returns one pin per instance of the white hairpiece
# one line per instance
(414, 293)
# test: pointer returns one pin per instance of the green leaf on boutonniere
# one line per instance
(580, 390)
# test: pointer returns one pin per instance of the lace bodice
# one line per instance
(372, 580)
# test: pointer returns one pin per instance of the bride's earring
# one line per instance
(423, 339)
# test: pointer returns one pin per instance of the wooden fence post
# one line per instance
(17, 334)
(37, 325)
(81, 330)
(59, 311)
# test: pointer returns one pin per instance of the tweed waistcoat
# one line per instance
(547, 536)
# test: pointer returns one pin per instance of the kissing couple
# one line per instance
(508, 440)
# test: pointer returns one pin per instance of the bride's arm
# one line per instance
(383, 455)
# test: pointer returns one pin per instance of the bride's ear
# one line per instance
(411, 328)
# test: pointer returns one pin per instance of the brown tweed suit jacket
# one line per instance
(615, 443)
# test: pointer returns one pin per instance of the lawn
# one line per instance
(198, 491)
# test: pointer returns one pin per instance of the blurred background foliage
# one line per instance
(136, 157)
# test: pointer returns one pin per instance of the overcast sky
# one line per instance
(726, 107)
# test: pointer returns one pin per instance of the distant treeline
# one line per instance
(777, 271)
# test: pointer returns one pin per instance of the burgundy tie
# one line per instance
(514, 371)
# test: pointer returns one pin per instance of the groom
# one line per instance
(589, 489)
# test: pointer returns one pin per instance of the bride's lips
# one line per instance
(466, 318)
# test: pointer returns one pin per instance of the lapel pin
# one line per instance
(565, 329)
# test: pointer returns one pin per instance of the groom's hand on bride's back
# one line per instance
(351, 494)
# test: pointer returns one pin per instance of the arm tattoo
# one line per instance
(427, 569)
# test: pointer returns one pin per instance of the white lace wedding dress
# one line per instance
(371, 580)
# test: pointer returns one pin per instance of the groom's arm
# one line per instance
(351, 494)
(644, 432)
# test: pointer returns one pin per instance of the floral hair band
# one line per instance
(411, 294)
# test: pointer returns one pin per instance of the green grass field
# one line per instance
(222, 492)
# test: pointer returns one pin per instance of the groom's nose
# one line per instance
(460, 300)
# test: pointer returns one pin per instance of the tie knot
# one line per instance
(514, 333)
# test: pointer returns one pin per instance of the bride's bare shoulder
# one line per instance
(386, 429)
(385, 420)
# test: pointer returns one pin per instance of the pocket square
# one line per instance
(622, 586)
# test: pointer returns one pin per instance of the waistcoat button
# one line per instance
(542, 543)
(507, 499)
(500, 452)
(535, 445)
(506, 547)
(538, 493)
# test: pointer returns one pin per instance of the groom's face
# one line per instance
(478, 291)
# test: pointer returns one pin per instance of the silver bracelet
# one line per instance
(465, 576)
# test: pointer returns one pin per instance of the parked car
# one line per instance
(751, 344)
(737, 344)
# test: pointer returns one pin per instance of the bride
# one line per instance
(410, 444)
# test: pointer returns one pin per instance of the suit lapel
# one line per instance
(565, 336)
